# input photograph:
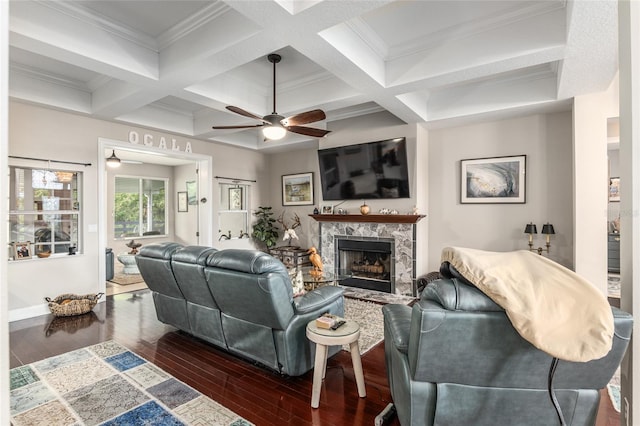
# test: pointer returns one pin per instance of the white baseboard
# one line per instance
(30, 312)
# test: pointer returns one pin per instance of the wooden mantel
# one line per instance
(369, 218)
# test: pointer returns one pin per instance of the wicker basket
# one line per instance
(67, 305)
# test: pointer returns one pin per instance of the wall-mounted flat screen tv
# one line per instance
(365, 171)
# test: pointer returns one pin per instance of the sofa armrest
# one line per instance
(397, 325)
(316, 299)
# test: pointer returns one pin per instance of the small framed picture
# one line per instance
(327, 209)
(297, 190)
(22, 250)
(614, 189)
(183, 202)
(192, 192)
(235, 198)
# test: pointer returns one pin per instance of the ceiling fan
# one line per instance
(275, 126)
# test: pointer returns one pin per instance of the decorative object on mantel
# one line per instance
(264, 229)
(370, 218)
(289, 231)
(364, 208)
(316, 261)
(133, 246)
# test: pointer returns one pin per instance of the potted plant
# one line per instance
(264, 229)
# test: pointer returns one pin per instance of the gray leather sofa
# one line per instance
(239, 300)
(455, 359)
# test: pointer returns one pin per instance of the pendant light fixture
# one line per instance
(113, 161)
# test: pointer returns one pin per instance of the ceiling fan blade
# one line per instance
(243, 112)
(304, 118)
(249, 126)
(308, 131)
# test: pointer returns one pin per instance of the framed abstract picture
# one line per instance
(496, 180)
(183, 202)
(614, 189)
(297, 190)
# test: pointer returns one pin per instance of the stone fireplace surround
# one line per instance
(400, 228)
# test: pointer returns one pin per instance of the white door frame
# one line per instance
(205, 204)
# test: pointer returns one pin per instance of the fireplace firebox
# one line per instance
(369, 262)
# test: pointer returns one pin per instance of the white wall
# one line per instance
(4, 182)
(591, 182)
(546, 141)
(55, 135)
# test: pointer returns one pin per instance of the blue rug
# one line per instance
(106, 384)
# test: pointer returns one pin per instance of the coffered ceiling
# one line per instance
(173, 65)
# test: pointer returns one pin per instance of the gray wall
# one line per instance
(546, 141)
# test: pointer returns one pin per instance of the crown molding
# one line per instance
(204, 16)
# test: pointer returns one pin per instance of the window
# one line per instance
(44, 209)
(139, 207)
(233, 213)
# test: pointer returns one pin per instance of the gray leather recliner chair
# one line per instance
(455, 359)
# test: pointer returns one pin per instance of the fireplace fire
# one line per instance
(369, 261)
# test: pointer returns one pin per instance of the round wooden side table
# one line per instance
(348, 333)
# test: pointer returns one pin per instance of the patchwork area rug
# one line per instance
(613, 285)
(106, 384)
(613, 389)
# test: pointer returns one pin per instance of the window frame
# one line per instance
(48, 219)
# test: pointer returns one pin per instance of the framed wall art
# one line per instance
(297, 190)
(192, 192)
(327, 209)
(614, 189)
(183, 202)
(497, 180)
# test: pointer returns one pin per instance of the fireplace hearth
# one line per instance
(369, 262)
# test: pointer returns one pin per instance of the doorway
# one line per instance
(194, 172)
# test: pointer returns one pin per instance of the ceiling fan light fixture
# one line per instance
(274, 132)
(113, 161)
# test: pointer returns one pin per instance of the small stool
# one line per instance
(348, 333)
(129, 262)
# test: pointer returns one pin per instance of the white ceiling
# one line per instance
(173, 65)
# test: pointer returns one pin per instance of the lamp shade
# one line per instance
(530, 229)
(547, 228)
(113, 161)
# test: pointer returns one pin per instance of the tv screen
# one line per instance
(365, 171)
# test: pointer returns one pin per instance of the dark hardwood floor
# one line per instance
(257, 394)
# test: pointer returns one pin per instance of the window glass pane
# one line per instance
(139, 207)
